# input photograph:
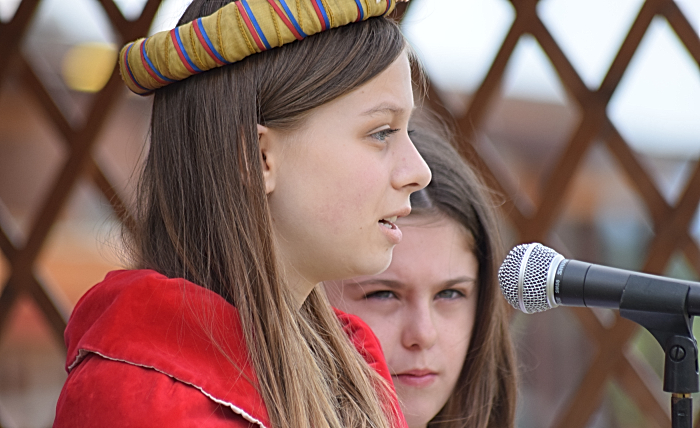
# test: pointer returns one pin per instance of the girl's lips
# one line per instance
(391, 231)
(416, 378)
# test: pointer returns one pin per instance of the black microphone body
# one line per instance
(585, 284)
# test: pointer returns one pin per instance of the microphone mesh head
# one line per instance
(533, 288)
(509, 272)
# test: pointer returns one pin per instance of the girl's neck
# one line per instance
(299, 285)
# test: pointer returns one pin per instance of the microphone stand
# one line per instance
(667, 319)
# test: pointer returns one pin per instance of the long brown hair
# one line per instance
(203, 213)
(485, 393)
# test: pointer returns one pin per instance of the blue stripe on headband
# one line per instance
(126, 62)
(184, 52)
(150, 64)
(255, 23)
(362, 12)
(209, 43)
(323, 12)
(291, 18)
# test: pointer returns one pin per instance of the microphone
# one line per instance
(535, 278)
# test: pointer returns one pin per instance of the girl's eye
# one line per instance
(384, 134)
(381, 295)
(449, 294)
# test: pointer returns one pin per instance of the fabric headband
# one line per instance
(235, 31)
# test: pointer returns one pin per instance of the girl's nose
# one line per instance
(411, 171)
(419, 331)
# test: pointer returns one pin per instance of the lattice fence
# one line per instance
(671, 223)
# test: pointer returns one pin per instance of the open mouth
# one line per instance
(389, 222)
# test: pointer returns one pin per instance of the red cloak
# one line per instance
(140, 353)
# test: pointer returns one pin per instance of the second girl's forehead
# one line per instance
(435, 250)
(443, 223)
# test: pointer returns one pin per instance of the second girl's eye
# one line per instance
(449, 294)
(381, 295)
(384, 134)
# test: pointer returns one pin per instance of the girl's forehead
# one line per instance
(437, 220)
(432, 255)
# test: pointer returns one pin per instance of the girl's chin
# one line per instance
(377, 265)
(371, 262)
(419, 419)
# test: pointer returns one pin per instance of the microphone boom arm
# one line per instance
(659, 305)
(673, 329)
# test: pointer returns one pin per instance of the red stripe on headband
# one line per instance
(320, 16)
(147, 67)
(128, 69)
(203, 42)
(179, 51)
(284, 19)
(249, 24)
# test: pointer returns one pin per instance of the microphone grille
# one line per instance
(523, 277)
(509, 272)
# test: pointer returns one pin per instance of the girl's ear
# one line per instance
(268, 157)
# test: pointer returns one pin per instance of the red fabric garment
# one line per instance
(141, 354)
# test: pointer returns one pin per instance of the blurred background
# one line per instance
(583, 115)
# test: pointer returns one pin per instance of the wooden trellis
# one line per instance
(671, 222)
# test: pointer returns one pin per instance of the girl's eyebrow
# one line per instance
(383, 109)
(376, 281)
(458, 280)
(386, 108)
(392, 284)
(395, 285)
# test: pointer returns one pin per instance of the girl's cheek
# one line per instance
(333, 215)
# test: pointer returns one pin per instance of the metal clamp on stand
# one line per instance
(668, 321)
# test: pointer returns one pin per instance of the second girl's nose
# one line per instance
(418, 330)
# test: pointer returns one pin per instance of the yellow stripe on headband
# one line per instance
(234, 32)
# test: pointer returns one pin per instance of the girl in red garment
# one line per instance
(265, 176)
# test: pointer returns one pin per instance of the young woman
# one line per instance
(437, 309)
(265, 176)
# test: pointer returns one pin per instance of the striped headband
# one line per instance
(235, 31)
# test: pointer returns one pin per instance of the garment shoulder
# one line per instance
(366, 343)
(106, 393)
